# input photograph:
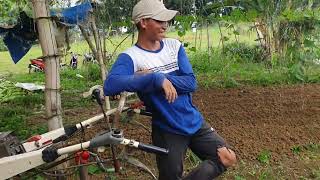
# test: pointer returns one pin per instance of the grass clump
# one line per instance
(240, 64)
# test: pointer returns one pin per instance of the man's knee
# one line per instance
(227, 157)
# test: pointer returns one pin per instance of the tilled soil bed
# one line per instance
(254, 119)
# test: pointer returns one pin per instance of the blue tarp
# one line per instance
(20, 38)
(17, 46)
(74, 15)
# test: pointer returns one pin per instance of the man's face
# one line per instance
(155, 29)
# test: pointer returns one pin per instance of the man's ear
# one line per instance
(143, 23)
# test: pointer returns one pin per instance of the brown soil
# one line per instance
(255, 119)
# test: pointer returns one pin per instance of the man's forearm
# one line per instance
(116, 84)
(183, 84)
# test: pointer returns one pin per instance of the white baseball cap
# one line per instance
(151, 9)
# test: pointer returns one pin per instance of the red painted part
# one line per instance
(34, 138)
(47, 142)
(82, 157)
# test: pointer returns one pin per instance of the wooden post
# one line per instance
(52, 64)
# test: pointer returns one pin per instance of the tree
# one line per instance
(283, 25)
(9, 11)
(185, 7)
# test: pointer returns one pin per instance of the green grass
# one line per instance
(7, 66)
(23, 112)
(228, 70)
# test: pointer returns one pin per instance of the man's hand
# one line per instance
(169, 90)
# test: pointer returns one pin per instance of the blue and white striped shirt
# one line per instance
(171, 62)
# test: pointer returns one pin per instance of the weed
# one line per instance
(264, 157)
(92, 72)
(312, 147)
(193, 159)
(296, 149)
(315, 174)
(297, 73)
(238, 177)
(265, 176)
(92, 169)
(244, 53)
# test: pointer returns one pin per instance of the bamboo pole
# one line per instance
(52, 64)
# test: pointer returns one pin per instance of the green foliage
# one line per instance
(71, 81)
(312, 147)
(14, 119)
(243, 52)
(92, 72)
(9, 10)
(183, 6)
(240, 64)
(237, 177)
(297, 73)
(296, 149)
(3, 47)
(92, 169)
(16, 105)
(193, 159)
(235, 16)
(315, 174)
(8, 91)
(264, 157)
(115, 14)
(265, 175)
(183, 24)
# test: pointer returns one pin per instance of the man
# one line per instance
(158, 69)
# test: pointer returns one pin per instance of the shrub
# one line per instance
(244, 53)
(93, 72)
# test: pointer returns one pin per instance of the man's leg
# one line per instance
(170, 166)
(215, 154)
